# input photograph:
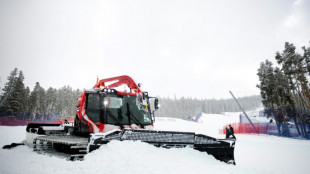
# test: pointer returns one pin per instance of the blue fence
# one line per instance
(270, 127)
(30, 116)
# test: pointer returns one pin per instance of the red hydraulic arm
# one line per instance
(120, 80)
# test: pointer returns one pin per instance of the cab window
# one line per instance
(93, 107)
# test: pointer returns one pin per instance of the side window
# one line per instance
(93, 107)
(93, 101)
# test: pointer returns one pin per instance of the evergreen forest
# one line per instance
(18, 99)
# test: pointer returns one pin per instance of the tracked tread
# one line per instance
(221, 149)
(71, 147)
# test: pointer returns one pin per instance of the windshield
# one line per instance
(126, 110)
(119, 110)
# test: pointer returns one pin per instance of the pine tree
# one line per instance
(293, 66)
(269, 91)
(17, 100)
(26, 101)
(41, 101)
(51, 99)
(34, 98)
(266, 86)
(10, 103)
(17, 105)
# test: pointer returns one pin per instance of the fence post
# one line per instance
(242, 110)
(258, 128)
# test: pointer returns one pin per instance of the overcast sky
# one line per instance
(196, 48)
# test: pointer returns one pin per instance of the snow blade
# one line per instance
(222, 150)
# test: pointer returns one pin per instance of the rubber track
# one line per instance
(73, 148)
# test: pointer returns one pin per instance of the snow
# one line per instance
(254, 154)
(208, 124)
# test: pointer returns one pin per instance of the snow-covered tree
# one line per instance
(17, 105)
(35, 105)
(26, 100)
(7, 90)
(14, 91)
(51, 99)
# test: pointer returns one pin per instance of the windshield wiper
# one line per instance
(130, 115)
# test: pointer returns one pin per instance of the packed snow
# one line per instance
(253, 153)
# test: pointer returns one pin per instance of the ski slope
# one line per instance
(254, 154)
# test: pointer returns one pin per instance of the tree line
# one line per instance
(186, 108)
(18, 98)
(285, 88)
(62, 102)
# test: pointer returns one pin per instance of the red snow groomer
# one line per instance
(117, 109)
(105, 108)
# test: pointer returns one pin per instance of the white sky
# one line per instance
(196, 48)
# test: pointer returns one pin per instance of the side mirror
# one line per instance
(156, 104)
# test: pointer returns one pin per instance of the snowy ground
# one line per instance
(253, 154)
